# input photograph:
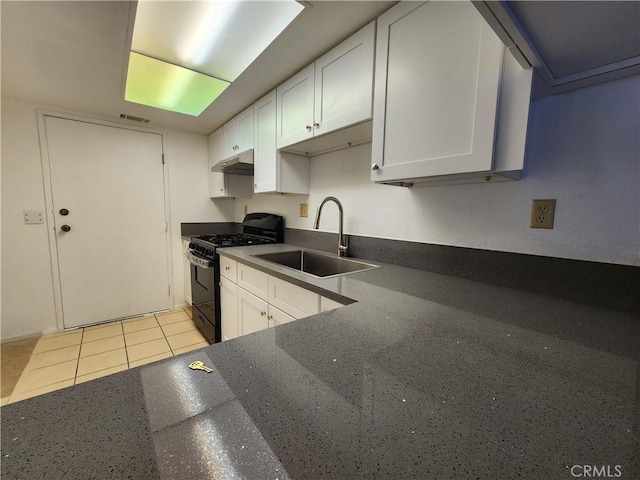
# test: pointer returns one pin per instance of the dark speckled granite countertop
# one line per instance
(426, 376)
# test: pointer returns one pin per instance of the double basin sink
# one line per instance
(316, 264)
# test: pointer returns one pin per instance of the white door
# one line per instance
(113, 260)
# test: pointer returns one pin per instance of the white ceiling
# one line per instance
(72, 55)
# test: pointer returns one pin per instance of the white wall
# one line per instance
(583, 150)
(27, 289)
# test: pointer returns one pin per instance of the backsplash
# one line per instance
(594, 283)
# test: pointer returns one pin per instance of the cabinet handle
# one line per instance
(316, 124)
(270, 317)
(375, 167)
(308, 127)
(262, 314)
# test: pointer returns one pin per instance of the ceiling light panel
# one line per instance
(162, 85)
(217, 38)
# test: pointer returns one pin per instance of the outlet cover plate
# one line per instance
(304, 209)
(542, 213)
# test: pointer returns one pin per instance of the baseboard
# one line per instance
(19, 337)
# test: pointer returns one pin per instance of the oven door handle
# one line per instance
(198, 261)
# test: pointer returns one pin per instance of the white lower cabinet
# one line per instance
(278, 317)
(259, 301)
(327, 304)
(252, 313)
(293, 300)
(229, 308)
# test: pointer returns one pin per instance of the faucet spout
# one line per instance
(342, 244)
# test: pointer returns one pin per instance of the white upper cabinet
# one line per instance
(330, 94)
(439, 69)
(224, 185)
(275, 172)
(344, 83)
(294, 108)
(238, 133)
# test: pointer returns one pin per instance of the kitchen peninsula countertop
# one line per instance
(425, 376)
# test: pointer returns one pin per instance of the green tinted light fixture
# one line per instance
(184, 54)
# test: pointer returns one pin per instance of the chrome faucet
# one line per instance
(342, 241)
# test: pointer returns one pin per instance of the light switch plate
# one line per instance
(304, 209)
(33, 216)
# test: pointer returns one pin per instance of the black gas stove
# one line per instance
(257, 229)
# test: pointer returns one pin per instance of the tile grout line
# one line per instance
(124, 340)
(75, 377)
(165, 338)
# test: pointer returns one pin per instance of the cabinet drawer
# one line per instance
(228, 268)
(253, 281)
(293, 300)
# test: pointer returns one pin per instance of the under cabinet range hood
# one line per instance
(239, 164)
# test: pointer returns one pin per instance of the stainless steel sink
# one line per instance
(316, 264)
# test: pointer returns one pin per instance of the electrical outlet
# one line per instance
(304, 209)
(542, 213)
(246, 209)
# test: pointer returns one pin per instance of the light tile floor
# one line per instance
(37, 366)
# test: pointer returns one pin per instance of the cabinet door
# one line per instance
(252, 312)
(265, 154)
(245, 130)
(344, 83)
(216, 153)
(438, 69)
(294, 108)
(278, 317)
(231, 137)
(228, 309)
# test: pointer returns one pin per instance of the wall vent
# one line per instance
(135, 119)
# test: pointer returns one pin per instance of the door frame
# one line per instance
(48, 198)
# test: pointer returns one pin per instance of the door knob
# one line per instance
(65, 228)
(64, 211)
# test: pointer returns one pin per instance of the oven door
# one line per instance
(205, 298)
